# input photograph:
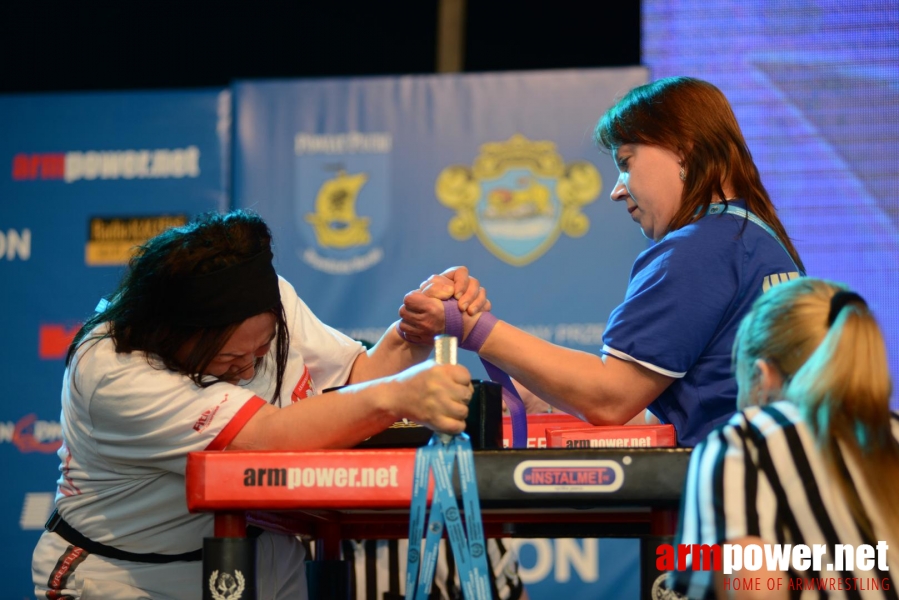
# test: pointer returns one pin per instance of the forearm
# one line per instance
(338, 419)
(389, 356)
(435, 396)
(603, 392)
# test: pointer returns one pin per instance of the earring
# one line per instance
(683, 174)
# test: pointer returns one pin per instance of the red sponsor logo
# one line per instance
(206, 418)
(304, 388)
(706, 557)
(69, 488)
(28, 433)
(45, 165)
(54, 341)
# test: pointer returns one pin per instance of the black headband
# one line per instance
(839, 300)
(230, 295)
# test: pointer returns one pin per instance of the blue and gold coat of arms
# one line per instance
(518, 197)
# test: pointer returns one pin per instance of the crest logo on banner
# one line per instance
(518, 197)
(342, 199)
(335, 220)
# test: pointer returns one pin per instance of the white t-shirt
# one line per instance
(127, 428)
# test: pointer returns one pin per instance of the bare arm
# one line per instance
(603, 391)
(535, 404)
(390, 355)
(435, 396)
(393, 353)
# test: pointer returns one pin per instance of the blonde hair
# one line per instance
(837, 374)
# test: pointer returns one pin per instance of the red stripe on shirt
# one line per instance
(237, 422)
(70, 559)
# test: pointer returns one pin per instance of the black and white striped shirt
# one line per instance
(380, 570)
(762, 475)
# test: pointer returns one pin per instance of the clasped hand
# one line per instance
(422, 312)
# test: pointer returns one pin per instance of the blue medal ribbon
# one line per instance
(467, 542)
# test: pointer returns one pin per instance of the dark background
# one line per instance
(137, 45)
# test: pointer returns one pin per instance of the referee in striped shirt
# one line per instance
(812, 457)
(380, 570)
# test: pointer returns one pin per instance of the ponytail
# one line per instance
(843, 391)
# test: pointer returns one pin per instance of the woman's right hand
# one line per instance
(435, 396)
(422, 312)
(455, 282)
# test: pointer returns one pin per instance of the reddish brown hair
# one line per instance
(692, 118)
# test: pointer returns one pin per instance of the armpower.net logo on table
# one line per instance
(323, 477)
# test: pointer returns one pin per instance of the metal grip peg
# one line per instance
(446, 349)
(446, 352)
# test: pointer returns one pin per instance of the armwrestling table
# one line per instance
(366, 494)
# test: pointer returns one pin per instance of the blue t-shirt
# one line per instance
(685, 300)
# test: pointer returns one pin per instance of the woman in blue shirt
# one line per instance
(688, 180)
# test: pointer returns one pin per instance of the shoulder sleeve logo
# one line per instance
(304, 387)
(518, 197)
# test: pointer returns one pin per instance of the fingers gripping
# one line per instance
(422, 318)
(448, 391)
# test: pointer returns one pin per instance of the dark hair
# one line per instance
(211, 242)
(693, 118)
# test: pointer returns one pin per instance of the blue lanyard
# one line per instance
(717, 208)
(467, 543)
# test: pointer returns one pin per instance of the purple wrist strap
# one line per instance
(473, 342)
